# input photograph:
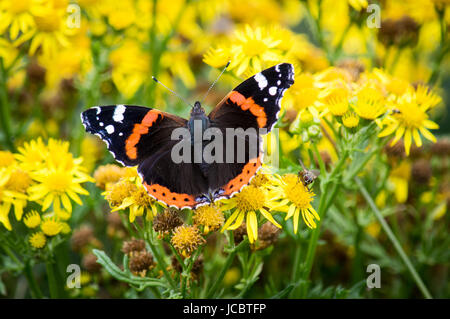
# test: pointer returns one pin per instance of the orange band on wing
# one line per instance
(163, 194)
(243, 178)
(139, 130)
(249, 105)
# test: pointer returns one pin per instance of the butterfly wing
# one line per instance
(255, 103)
(141, 136)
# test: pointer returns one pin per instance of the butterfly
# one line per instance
(143, 137)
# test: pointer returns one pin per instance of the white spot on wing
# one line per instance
(118, 113)
(273, 90)
(97, 109)
(109, 129)
(261, 79)
(101, 124)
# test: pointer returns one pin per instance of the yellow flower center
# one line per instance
(254, 47)
(186, 239)
(58, 182)
(411, 116)
(296, 192)
(141, 198)
(208, 216)
(19, 181)
(116, 193)
(251, 198)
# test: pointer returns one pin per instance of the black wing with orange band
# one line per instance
(132, 133)
(255, 103)
(141, 136)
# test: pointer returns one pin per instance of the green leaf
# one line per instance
(283, 293)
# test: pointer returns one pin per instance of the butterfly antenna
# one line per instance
(173, 92)
(207, 92)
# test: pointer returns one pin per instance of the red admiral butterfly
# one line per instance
(142, 136)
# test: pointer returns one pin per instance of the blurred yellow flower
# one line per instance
(17, 15)
(37, 240)
(32, 219)
(131, 67)
(50, 226)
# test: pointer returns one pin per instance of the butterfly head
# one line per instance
(197, 110)
(198, 116)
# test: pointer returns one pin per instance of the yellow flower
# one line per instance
(116, 193)
(350, 120)
(336, 100)
(32, 219)
(410, 117)
(295, 199)
(6, 158)
(50, 31)
(247, 203)
(37, 240)
(253, 48)
(370, 103)
(32, 155)
(398, 181)
(50, 226)
(131, 66)
(209, 217)
(139, 201)
(107, 174)
(186, 239)
(10, 197)
(57, 186)
(16, 14)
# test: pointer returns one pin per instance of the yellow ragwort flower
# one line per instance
(186, 239)
(370, 103)
(107, 174)
(6, 158)
(247, 203)
(50, 226)
(17, 15)
(139, 201)
(295, 199)
(32, 219)
(350, 120)
(209, 217)
(410, 117)
(37, 240)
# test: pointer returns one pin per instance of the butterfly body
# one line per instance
(148, 138)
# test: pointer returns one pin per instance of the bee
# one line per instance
(307, 176)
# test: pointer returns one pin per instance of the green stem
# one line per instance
(229, 260)
(34, 287)
(187, 271)
(52, 282)
(159, 259)
(393, 239)
(5, 109)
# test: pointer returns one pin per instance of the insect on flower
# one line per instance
(306, 176)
